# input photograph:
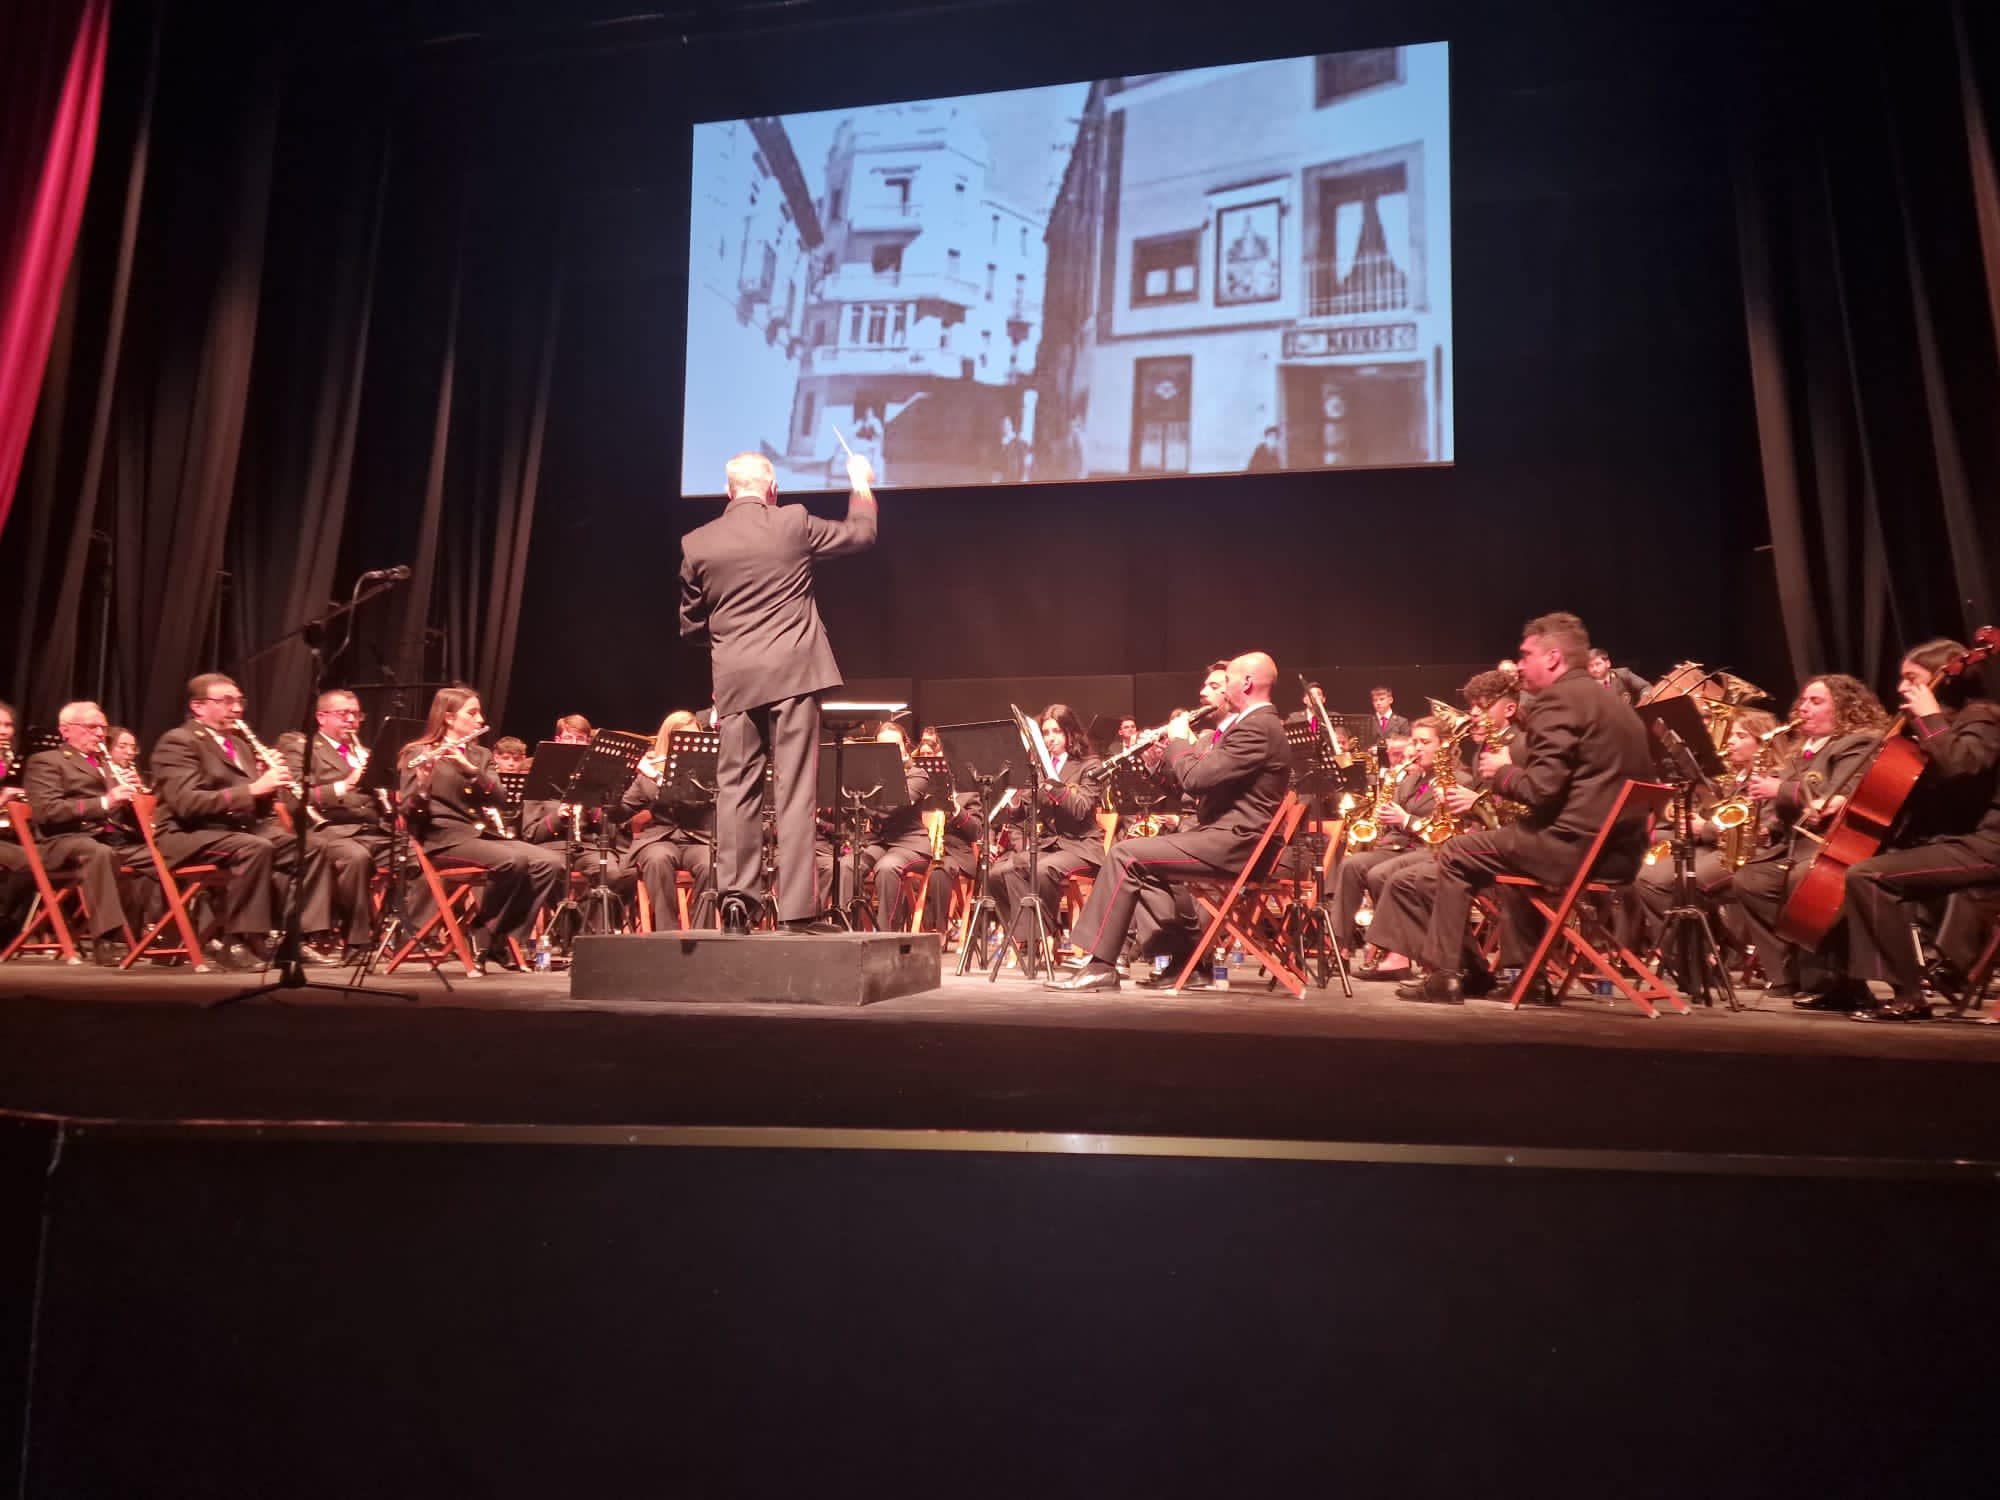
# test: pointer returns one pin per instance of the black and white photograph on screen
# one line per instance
(1221, 270)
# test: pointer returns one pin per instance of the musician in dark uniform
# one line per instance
(217, 804)
(678, 835)
(1066, 831)
(354, 838)
(902, 842)
(1714, 875)
(1840, 725)
(963, 825)
(1241, 779)
(746, 586)
(84, 818)
(449, 787)
(1384, 723)
(1582, 746)
(1415, 797)
(17, 886)
(1950, 839)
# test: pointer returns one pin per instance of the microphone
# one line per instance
(384, 575)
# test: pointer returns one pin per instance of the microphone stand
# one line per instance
(288, 960)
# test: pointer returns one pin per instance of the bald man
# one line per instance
(1239, 779)
(747, 588)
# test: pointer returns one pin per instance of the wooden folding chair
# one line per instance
(1250, 909)
(45, 914)
(180, 884)
(1573, 921)
(454, 890)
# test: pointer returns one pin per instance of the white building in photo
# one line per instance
(1252, 247)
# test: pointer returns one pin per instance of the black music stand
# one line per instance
(1035, 756)
(688, 776)
(587, 778)
(1685, 753)
(383, 780)
(513, 792)
(981, 757)
(855, 780)
(1308, 925)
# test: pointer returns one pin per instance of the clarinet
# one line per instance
(276, 762)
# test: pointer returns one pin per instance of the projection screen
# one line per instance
(1228, 269)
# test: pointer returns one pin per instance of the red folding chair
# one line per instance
(454, 891)
(1251, 908)
(180, 884)
(1574, 922)
(45, 914)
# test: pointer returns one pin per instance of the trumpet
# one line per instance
(273, 761)
(1145, 740)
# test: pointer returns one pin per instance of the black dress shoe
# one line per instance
(735, 916)
(107, 953)
(1540, 993)
(1375, 973)
(1476, 984)
(313, 958)
(1089, 979)
(1911, 1009)
(499, 956)
(1200, 979)
(238, 958)
(1440, 988)
(1845, 996)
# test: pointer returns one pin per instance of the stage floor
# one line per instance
(1007, 1056)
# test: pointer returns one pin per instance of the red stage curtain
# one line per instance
(51, 78)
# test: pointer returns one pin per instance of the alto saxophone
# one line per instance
(1365, 829)
(1443, 823)
(1741, 816)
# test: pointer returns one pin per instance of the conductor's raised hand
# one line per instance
(860, 473)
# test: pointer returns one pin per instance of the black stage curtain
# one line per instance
(1869, 232)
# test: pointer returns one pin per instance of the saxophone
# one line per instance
(1443, 823)
(1367, 827)
(1740, 817)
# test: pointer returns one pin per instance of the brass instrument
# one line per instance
(1741, 816)
(1366, 828)
(273, 761)
(1144, 741)
(1443, 823)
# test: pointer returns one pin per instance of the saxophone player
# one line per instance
(1714, 871)
(1406, 793)
(217, 803)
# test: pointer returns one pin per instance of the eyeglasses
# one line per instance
(225, 698)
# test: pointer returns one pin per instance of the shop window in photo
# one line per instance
(1166, 268)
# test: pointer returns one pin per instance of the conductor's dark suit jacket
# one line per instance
(746, 584)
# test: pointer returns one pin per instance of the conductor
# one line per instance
(746, 584)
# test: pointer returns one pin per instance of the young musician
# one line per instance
(680, 835)
(1714, 874)
(1840, 724)
(1415, 797)
(1951, 838)
(1064, 829)
(448, 783)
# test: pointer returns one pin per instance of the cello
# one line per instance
(1869, 815)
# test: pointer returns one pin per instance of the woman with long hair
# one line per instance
(1840, 723)
(680, 835)
(450, 794)
(1064, 829)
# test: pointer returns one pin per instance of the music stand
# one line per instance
(1309, 925)
(855, 780)
(1685, 752)
(382, 779)
(596, 776)
(1034, 755)
(981, 757)
(513, 790)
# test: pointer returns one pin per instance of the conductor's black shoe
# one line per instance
(1441, 988)
(1096, 977)
(735, 916)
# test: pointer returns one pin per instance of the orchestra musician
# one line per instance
(353, 835)
(1383, 721)
(1582, 745)
(746, 587)
(680, 835)
(902, 842)
(1240, 780)
(510, 756)
(84, 818)
(1840, 724)
(448, 783)
(1714, 874)
(121, 747)
(1950, 839)
(17, 886)
(218, 803)
(1064, 828)
(1414, 797)
(1623, 681)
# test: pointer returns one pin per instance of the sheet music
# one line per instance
(1033, 733)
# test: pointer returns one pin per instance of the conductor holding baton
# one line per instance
(747, 585)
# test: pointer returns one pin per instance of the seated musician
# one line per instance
(84, 820)
(963, 826)
(1413, 796)
(1623, 681)
(573, 729)
(1582, 745)
(1064, 829)
(1383, 720)
(448, 785)
(1950, 839)
(680, 834)
(510, 756)
(901, 843)
(600, 834)
(354, 835)
(121, 748)
(218, 804)
(1241, 780)
(17, 886)
(1714, 870)
(1840, 723)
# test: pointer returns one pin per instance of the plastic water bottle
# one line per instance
(542, 955)
(1220, 973)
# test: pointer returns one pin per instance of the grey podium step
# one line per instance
(844, 968)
